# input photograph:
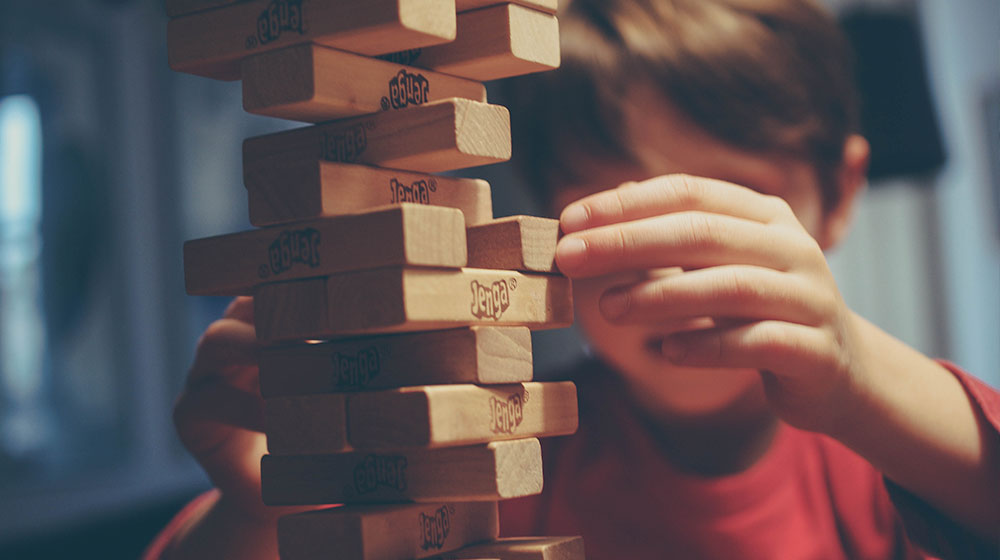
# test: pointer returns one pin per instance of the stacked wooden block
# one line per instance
(395, 311)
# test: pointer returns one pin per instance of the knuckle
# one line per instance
(770, 338)
(780, 207)
(617, 205)
(703, 232)
(687, 189)
(657, 293)
(738, 287)
(621, 241)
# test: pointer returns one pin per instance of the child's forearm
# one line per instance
(221, 532)
(916, 424)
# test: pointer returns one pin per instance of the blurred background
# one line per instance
(109, 161)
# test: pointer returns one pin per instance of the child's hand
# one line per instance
(749, 265)
(219, 415)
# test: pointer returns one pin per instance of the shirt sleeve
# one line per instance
(162, 543)
(928, 528)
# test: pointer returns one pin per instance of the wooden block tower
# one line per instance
(395, 311)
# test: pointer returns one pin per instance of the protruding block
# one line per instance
(525, 243)
(480, 355)
(305, 189)
(409, 299)
(438, 136)
(495, 471)
(548, 6)
(313, 83)
(212, 43)
(523, 548)
(450, 415)
(406, 234)
(284, 418)
(398, 532)
(492, 43)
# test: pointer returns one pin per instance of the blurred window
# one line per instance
(25, 424)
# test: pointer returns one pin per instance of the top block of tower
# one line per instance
(212, 43)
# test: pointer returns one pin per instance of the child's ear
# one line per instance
(851, 181)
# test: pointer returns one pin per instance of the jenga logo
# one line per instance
(346, 146)
(419, 191)
(435, 528)
(278, 17)
(406, 89)
(298, 246)
(406, 58)
(355, 371)
(489, 302)
(376, 471)
(506, 415)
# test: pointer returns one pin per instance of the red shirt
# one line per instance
(809, 497)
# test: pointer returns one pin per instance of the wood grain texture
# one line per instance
(313, 83)
(309, 189)
(496, 42)
(409, 299)
(397, 532)
(525, 243)
(182, 7)
(450, 415)
(481, 355)
(523, 548)
(439, 136)
(548, 6)
(405, 234)
(495, 471)
(212, 43)
(324, 415)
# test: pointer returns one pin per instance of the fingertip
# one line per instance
(614, 304)
(571, 254)
(574, 217)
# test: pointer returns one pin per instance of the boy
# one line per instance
(735, 407)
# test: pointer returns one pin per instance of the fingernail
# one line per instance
(570, 253)
(614, 304)
(574, 218)
(674, 350)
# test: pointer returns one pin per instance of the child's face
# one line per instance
(670, 143)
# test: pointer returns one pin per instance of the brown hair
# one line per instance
(770, 76)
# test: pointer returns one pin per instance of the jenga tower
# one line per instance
(397, 373)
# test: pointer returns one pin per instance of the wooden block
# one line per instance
(493, 43)
(412, 234)
(304, 189)
(450, 415)
(495, 471)
(438, 136)
(212, 43)
(409, 299)
(313, 83)
(326, 415)
(523, 548)
(525, 243)
(548, 6)
(181, 7)
(480, 355)
(397, 532)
